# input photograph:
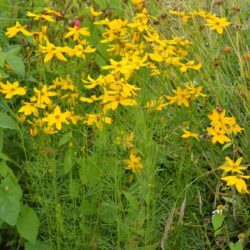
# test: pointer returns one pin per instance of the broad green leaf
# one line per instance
(28, 224)
(89, 207)
(108, 212)
(74, 187)
(13, 51)
(7, 122)
(236, 246)
(218, 232)
(118, 9)
(64, 139)
(10, 195)
(3, 74)
(90, 172)
(36, 246)
(5, 170)
(153, 9)
(17, 64)
(100, 60)
(217, 221)
(68, 161)
(6, 158)
(133, 202)
(141, 216)
(84, 10)
(101, 3)
(1, 223)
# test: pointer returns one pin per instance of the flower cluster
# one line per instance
(238, 179)
(131, 44)
(212, 20)
(134, 45)
(222, 127)
(134, 162)
(183, 96)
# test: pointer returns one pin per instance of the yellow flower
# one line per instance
(90, 99)
(125, 140)
(237, 181)
(188, 134)
(74, 118)
(21, 118)
(94, 13)
(71, 98)
(51, 50)
(35, 124)
(202, 13)
(43, 96)
(122, 66)
(33, 131)
(52, 12)
(102, 22)
(64, 83)
(10, 90)
(134, 163)
(97, 119)
(89, 49)
(156, 104)
(49, 131)
(182, 97)
(234, 167)
(140, 25)
(116, 29)
(57, 118)
(38, 17)
(78, 51)
(40, 35)
(112, 99)
(12, 31)
(181, 14)
(219, 119)
(189, 65)
(234, 127)
(75, 32)
(219, 135)
(28, 109)
(138, 3)
(195, 92)
(94, 83)
(217, 24)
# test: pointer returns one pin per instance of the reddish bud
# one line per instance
(77, 23)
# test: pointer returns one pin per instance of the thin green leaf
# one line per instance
(68, 161)
(65, 139)
(2, 59)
